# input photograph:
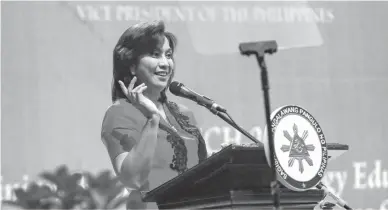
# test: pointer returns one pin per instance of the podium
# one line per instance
(237, 177)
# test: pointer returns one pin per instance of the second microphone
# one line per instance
(179, 89)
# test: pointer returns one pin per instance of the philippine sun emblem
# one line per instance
(300, 155)
(298, 149)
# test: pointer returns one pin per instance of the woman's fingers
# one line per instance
(141, 89)
(139, 93)
(134, 94)
(123, 88)
(131, 84)
(136, 89)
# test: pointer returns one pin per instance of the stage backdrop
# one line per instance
(56, 68)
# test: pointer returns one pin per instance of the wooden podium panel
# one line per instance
(247, 199)
(236, 177)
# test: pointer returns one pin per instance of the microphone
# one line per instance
(179, 89)
(339, 201)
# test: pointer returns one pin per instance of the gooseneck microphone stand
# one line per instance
(230, 121)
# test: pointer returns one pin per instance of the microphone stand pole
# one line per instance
(259, 49)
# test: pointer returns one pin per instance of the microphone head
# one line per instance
(175, 88)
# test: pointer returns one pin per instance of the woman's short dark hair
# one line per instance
(136, 41)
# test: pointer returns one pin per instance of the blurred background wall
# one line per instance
(56, 66)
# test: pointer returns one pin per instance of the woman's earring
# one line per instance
(132, 71)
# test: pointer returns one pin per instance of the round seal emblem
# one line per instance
(299, 148)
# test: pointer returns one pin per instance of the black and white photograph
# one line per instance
(194, 105)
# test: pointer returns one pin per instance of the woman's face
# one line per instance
(155, 69)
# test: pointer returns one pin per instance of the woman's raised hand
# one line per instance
(136, 97)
